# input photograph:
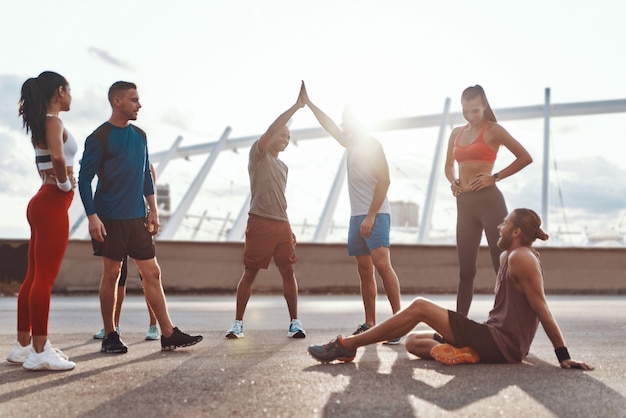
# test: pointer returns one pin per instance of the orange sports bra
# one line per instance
(476, 151)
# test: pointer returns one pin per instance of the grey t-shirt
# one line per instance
(268, 181)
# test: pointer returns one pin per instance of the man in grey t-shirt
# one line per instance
(268, 233)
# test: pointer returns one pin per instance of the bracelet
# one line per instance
(562, 354)
(66, 186)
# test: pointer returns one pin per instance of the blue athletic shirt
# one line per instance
(124, 176)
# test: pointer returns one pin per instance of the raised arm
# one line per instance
(282, 120)
(327, 123)
(525, 269)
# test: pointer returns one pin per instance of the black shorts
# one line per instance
(469, 333)
(125, 237)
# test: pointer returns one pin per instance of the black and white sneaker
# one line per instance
(178, 339)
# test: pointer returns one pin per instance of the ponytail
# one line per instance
(33, 105)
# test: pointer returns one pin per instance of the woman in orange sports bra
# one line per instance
(480, 204)
(43, 98)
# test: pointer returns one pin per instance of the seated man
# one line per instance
(520, 304)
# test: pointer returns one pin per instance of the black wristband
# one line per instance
(562, 354)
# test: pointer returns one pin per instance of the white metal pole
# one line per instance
(435, 171)
(546, 160)
(170, 228)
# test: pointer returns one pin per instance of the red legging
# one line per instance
(49, 233)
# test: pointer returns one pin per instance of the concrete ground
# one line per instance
(268, 375)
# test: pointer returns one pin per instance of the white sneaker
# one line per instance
(18, 353)
(49, 359)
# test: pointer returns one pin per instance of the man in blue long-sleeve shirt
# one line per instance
(117, 153)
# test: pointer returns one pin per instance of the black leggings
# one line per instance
(477, 211)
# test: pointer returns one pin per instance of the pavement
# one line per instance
(269, 375)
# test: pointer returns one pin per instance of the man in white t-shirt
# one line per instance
(370, 217)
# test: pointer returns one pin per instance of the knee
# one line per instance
(249, 275)
(110, 278)
(287, 273)
(418, 304)
(411, 343)
(418, 346)
(365, 269)
(383, 267)
(467, 273)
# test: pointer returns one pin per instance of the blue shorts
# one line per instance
(358, 245)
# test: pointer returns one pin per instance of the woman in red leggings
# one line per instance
(43, 98)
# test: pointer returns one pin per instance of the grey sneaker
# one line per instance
(334, 350)
(236, 331)
(295, 329)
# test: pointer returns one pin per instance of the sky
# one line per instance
(203, 66)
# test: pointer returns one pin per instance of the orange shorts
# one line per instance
(267, 238)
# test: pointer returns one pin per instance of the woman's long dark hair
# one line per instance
(33, 105)
(477, 91)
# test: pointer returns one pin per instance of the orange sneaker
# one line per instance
(450, 355)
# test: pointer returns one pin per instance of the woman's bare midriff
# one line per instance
(469, 171)
(48, 176)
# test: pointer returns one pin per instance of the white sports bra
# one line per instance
(70, 147)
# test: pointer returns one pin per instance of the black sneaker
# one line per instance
(334, 350)
(361, 328)
(178, 339)
(113, 345)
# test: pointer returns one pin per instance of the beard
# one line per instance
(504, 242)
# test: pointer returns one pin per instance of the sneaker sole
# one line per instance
(47, 366)
(152, 338)
(392, 342)
(450, 356)
(233, 336)
(297, 334)
(174, 347)
(115, 351)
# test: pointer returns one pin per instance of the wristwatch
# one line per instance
(496, 177)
